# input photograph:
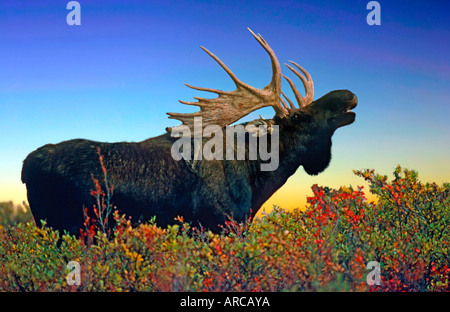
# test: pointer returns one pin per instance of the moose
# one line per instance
(149, 182)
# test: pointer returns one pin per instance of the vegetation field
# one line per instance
(325, 247)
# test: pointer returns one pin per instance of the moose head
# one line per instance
(307, 126)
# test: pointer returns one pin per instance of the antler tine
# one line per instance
(207, 89)
(283, 103)
(288, 99)
(228, 71)
(276, 69)
(307, 83)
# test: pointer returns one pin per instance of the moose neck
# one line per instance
(311, 151)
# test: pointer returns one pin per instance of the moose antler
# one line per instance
(231, 106)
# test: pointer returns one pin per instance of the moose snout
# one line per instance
(353, 101)
(348, 98)
(337, 101)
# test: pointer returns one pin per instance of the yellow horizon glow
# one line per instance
(292, 195)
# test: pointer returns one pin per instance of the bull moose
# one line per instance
(149, 182)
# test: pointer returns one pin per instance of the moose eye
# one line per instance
(299, 118)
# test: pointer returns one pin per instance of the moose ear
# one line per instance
(317, 158)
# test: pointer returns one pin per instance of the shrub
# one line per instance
(13, 214)
(325, 247)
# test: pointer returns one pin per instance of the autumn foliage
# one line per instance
(324, 247)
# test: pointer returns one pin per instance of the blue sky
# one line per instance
(115, 76)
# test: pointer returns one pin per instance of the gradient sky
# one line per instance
(114, 77)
